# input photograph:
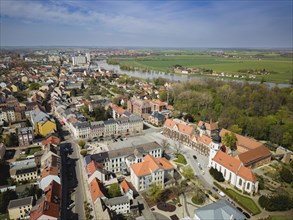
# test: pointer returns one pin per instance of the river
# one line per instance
(172, 77)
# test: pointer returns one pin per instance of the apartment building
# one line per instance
(151, 170)
(20, 208)
(120, 205)
(119, 160)
(23, 170)
(25, 136)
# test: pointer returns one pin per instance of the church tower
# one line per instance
(215, 146)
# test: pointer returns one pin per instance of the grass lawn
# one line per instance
(244, 201)
(282, 65)
(197, 200)
(180, 159)
(33, 150)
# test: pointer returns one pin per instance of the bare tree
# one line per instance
(165, 145)
(177, 147)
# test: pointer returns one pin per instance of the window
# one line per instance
(240, 182)
(248, 185)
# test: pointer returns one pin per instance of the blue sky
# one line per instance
(238, 23)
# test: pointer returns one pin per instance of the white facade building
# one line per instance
(120, 205)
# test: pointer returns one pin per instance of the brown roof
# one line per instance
(209, 126)
(45, 208)
(234, 165)
(93, 166)
(150, 164)
(117, 109)
(254, 155)
(96, 189)
(181, 127)
(125, 186)
(245, 142)
(50, 171)
(53, 192)
(51, 140)
(204, 139)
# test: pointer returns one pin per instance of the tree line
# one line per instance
(249, 109)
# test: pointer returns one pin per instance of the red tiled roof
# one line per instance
(234, 165)
(51, 140)
(245, 142)
(204, 139)
(125, 186)
(96, 189)
(117, 109)
(254, 155)
(45, 208)
(209, 126)
(181, 127)
(150, 164)
(50, 171)
(227, 161)
(53, 191)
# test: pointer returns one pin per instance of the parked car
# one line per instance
(194, 157)
(70, 206)
(221, 193)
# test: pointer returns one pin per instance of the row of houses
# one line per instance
(44, 170)
(125, 124)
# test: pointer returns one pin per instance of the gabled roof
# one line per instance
(209, 126)
(227, 161)
(117, 109)
(20, 202)
(204, 139)
(53, 192)
(242, 141)
(96, 189)
(188, 130)
(234, 165)
(45, 208)
(51, 140)
(124, 185)
(254, 155)
(150, 164)
(93, 166)
(220, 210)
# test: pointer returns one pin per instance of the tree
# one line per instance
(177, 147)
(155, 192)
(188, 173)
(87, 94)
(83, 152)
(81, 143)
(230, 140)
(82, 86)
(114, 190)
(11, 140)
(165, 145)
(5, 198)
(286, 175)
(34, 86)
(216, 174)
(276, 202)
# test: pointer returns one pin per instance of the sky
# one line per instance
(156, 23)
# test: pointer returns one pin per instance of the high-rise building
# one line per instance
(77, 60)
(88, 57)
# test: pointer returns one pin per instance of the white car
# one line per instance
(221, 193)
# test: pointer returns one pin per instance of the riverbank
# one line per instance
(179, 77)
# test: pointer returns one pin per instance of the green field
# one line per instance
(271, 62)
